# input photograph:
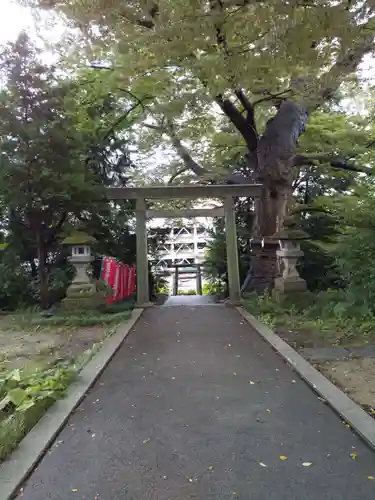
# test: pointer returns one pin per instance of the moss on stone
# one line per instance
(79, 238)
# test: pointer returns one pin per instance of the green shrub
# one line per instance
(24, 397)
(187, 292)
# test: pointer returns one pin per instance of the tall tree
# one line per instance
(43, 180)
(234, 54)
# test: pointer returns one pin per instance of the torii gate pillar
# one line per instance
(143, 292)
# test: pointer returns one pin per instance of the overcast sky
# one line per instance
(13, 19)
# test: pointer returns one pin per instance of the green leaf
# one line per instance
(17, 396)
(26, 405)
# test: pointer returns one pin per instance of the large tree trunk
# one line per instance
(276, 151)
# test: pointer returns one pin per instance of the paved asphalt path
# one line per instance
(196, 406)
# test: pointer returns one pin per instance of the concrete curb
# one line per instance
(360, 421)
(34, 445)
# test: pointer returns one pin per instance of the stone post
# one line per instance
(232, 253)
(175, 281)
(199, 280)
(143, 297)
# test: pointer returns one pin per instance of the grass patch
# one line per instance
(27, 392)
(33, 320)
(329, 321)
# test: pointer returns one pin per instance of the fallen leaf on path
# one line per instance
(283, 457)
(211, 467)
(74, 490)
(268, 410)
(371, 478)
(353, 455)
(306, 464)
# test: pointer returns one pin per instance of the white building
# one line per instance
(185, 244)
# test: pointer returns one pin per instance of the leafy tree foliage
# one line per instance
(353, 247)
(52, 170)
(190, 56)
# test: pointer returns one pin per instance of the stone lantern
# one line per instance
(82, 292)
(290, 282)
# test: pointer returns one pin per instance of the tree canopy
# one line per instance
(215, 91)
(52, 170)
(267, 66)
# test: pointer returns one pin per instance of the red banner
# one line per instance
(120, 277)
(131, 281)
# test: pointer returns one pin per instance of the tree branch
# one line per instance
(176, 174)
(248, 133)
(334, 161)
(239, 3)
(54, 230)
(186, 157)
(249, 108)
(119, 120)
(191, 164)
(245, 126)
(280, 96)
(345, 65)
(146, 18)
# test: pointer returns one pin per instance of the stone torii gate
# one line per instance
(225, 192)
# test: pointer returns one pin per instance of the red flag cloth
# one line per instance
(109, 274)
(121, 282)
(125, 278)
(116, 285)
(106, 266)
(131, 281)
(120, 277)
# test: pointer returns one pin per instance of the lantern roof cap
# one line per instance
(290, 234)
(79, 238)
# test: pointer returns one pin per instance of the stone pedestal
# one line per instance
(290, 285)
(83, 293)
